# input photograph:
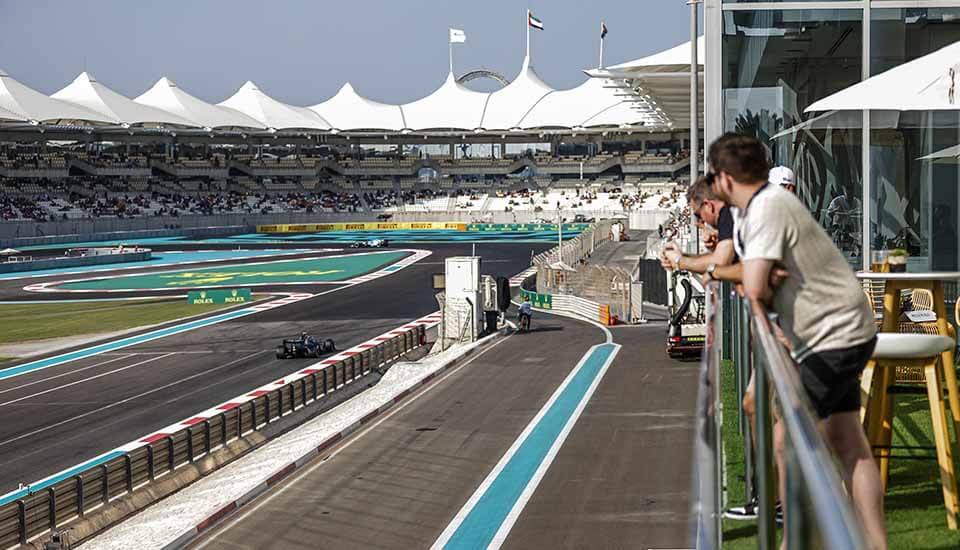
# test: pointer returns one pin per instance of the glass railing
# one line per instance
(819, 512)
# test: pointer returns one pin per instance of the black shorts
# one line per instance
(832, 378)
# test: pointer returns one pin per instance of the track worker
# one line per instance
(820, 307)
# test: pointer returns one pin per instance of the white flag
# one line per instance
(457, 36)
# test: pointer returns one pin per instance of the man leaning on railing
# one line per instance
(819, 308)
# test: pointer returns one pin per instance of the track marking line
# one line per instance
(94, 377)
(127, 399)
(81, 369)
(353, 438)
(489, 514)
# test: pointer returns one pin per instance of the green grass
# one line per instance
(23, 323)
(914, 503)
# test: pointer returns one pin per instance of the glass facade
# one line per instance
(766, 63)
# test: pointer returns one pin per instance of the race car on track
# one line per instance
(305, 346)
(371, 243)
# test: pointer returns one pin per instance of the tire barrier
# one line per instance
(49, 505)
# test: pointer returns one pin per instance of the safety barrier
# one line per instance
(359, 226)
(47, 506)
(818, 511)
(570, 304)
(574, 227)
(133, 255)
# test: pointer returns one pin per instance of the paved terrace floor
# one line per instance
(622, 477)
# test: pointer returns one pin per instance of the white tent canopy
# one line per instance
(86, 92)
(348, 110)
(950, 155)
(251, 101)
(579, 107)
(927, 83)
(506, 107)
(452, 105)
(167, 96)
(30, 104)
(6, 115)
(660, 83)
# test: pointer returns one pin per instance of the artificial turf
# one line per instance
(914, 503)
(21, 323)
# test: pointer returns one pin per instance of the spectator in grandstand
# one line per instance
(828, 325)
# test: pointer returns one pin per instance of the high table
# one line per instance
(894, 283)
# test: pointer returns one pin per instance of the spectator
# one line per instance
(823, 317)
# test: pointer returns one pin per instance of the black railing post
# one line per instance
(105, 484)
(52, 508)
(279, 402)
(78, 480)
(253, 413)
(206, 436)
(22, 521)
(239, 421)
(334, 367)
(303, 391)
(223, 429)
(324, 372)
(171, 458)
(266, 408)
(189, 445)
(314, 381)
(128, 471)
(151, 466)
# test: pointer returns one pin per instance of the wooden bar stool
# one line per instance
(913, 357)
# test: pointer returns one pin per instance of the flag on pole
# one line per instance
(457, 36)
(533, 21)
(603, 30)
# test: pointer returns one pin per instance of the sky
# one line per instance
(303, 51)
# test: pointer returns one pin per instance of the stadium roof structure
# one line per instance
(348, 110)
(86, 92)
(659, 83)
(650, 93)
(167, 96)
(273, 114)
(31, 105)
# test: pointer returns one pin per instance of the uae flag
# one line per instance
(603, 30)
(533, 21)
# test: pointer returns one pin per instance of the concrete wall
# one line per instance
(55, 263)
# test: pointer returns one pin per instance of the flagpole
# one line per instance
(527, 22)
(601, 52)
(450, 46)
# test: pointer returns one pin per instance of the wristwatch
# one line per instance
(710, 269)
(676, 259)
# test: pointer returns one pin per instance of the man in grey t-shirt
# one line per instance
(820, 305)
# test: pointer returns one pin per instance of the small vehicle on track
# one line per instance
(305, 346)
(370, 243)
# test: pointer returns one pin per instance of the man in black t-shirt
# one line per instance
(710, 210)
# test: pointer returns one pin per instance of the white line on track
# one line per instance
(94, 377)
(68, 373)
(127, 399)
(353, 438)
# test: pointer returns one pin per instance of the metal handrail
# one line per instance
(818, 509)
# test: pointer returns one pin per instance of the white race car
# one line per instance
(371, 243)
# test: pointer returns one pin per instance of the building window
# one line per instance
(915, 202)
(774, 64)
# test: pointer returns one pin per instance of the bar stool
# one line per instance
(909, 352)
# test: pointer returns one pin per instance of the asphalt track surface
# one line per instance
(57, 417)
(622, 478)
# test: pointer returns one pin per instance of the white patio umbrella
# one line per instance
(928, 83)
(950, 155)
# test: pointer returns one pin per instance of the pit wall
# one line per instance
(139, 255)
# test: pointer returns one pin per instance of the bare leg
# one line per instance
(780, 453)
(860, 473)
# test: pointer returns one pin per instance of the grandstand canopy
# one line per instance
(29, 104)
(507, 107)
(169, 97)
(452, 106)
(659, 83)
(273, 114)
(86, 92)
(348, 110)
(11, 116)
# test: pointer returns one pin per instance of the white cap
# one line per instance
(783, 176)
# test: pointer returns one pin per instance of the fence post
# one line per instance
(314, 380)
(105, 484)
(266, 408)
(78, 480)
(767, 529)
(303, 391)
(206, 436)
(334, 367)
(128, 471)
(253, 413)
(52, 508)
(324, 372)
(172, 458)
(223, 429)
(22, 520)
(239, 422)
(189, 445)
(279, 402)
(151, 469)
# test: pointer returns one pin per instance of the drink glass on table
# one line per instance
(878, 261)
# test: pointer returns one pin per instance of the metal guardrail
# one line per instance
(819, 512)
(48, 508)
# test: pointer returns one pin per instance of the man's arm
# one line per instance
(756, 282)
(721, 255)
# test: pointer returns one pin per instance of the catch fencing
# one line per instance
(48, 506)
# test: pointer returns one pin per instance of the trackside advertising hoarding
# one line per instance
(359, 226)
(226, 296)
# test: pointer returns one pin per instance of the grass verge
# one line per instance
(26, 322)
(914, 504)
